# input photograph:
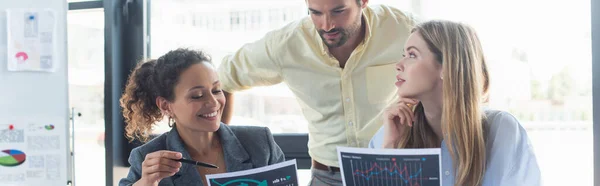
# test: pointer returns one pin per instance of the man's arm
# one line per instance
(250, 66)
(228, 110)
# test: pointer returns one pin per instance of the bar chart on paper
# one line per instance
(400, 170)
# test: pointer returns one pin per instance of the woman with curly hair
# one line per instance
(183, 86)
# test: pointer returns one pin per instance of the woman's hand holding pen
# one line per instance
(394, 117)
(159, 165)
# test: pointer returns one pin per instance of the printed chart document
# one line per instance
(32, 152)
(31, 39)
(402, 167)
(281, 174)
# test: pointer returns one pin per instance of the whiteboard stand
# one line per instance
(71, 179)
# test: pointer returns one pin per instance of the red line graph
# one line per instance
(407, 175)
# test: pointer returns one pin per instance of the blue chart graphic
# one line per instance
(284, 176)
(371, 170)
(244, 182)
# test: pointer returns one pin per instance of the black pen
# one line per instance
(197, 163)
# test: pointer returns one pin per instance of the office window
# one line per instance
(196, 20)
(235, 20)
(274, 18)
(86, 93)
(274, 106)
(255, 19)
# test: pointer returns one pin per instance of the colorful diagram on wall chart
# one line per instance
(12, 157)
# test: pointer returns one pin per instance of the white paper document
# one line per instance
(31, 40)
(281, 174)
(32, 152)
(407, 167)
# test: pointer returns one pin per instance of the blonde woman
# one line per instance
(444, 78)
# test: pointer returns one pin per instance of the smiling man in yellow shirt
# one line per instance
(340, 64)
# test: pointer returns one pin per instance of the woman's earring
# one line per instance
(170, 125)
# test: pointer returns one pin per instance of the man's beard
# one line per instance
(345, 34)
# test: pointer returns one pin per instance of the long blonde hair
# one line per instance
(466, 80)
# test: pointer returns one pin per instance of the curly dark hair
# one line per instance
(150, 80)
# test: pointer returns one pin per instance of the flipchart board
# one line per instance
(34, 108)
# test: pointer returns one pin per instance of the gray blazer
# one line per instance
(245, 147)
